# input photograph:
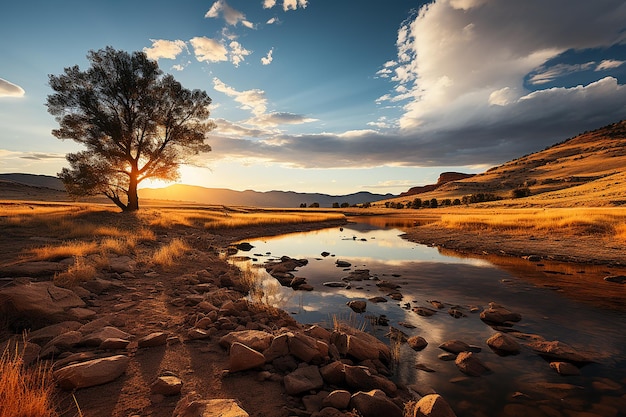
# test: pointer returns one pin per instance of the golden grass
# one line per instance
(65, 250)
(609, 222)
(80, 271)
(24, 391)
(167, 254)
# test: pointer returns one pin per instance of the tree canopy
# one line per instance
(134, 121)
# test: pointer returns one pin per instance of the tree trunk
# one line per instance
(133, 198)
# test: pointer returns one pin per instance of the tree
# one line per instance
(135, 123)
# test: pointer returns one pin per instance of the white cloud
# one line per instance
(8, 89)
(294, 4)
(608, 64)
(207, 49)
(279, 118)
(268, 4)
(162, 48)
(237, 53)
(544, 75)
(230, 15)
(253, 100)
(272, 21)
(267, 59)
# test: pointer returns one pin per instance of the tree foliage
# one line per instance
(134, 121)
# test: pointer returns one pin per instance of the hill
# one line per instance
(44, 187)
(586, 170)
(280, 199)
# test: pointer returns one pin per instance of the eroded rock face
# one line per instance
(303, 379)
(91, 373)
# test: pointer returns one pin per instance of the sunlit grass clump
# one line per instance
(80, 271)
(24, 391)
(167, 254)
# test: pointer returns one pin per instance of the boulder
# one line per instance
(339, 399)
(455, 346)
(153, 340)
(359, 345)
(32, 269)
(433, 405)
(361, 378)
(279, 347)
(318, 332)
(46, 334)
(242, 358)
(167, 385)
(333, 373)
(192, 406)
(16, 347)
(121, 264)
(96, 338)
(255, 339)
(503, 344)
(374, 403)
(91, 373)
(496, 314)
(470, 365)
(114, 343)
(417, 343)
(38, 303)
(358, 306)
(304, 348)
(61, 343)
(303, 379)
(558, 351)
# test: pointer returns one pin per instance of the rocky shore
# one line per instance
(140, 340)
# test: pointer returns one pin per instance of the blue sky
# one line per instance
(334, 96)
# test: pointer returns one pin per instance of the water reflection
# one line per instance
(425, 274)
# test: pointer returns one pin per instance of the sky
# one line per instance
(333, 96)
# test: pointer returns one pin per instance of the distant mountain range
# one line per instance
(34, 185)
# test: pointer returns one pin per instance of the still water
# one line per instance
(523, 383)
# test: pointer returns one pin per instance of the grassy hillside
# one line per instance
(587, 170)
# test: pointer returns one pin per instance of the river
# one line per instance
(522, 384)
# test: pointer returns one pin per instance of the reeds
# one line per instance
(24, 391)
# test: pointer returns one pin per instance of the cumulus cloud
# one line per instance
(8, 89)
(279, 118)
(267, 59)
(207, 49)
(268, 4)
(460, 76)
(237, 53)
(162, 48)
(230, 15)
(272, 21)
(287, 4)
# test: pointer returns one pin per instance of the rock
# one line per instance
(455, 346)
(153, 340)
(447, 357)
(558, 351)
(433, 405)
(470, 365)
(244, 246)
(318, 332)
(91, 373)
(358, 306)
(304, 348)
(114, 343)
(17, 348)
(305, 287)
(437, 304)
(166, 385)
(374, 403)
(255, 339)
(32, 269)
(335, 284)
(532, 258)
(46, 334)
(279, 347)
(121, 264)
(497, 314)
(38, 303)
(333, 373)
(618, 279)
(61, 343)
(242, 358)
(423, 311)
(377, 299)
(325, 254)
(192, 406)
(361, 378)
(387, 284)
(456, 313)
(81, 314)
(303, 379)
(339, 399)
(565, 368)
(417, 343)
(342, 264)
(503, 344)
(359, 345)
(96, 338)
(199, 334)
